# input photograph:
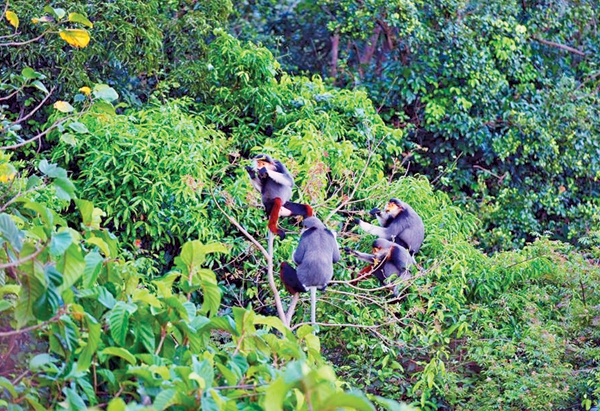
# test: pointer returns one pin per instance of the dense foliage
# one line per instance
(139, 281)
(499, 99)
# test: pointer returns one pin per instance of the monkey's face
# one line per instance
(263, 163)
(376, 250)
(393, 209)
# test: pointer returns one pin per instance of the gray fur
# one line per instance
(316, 253)
(405, 228)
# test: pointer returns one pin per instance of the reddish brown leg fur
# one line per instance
(274, 217)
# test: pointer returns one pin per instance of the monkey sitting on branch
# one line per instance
(388, 259)
(398, 223)
(274, 182)
(314, 256)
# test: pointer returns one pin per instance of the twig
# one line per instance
(5, 334)
(23, 43)
(560, 46)
(36, 108)
(23, 260)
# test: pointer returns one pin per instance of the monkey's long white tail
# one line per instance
(313, 304)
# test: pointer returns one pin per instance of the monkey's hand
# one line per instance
(262, 173)
(375, 212)
(348, 250)
(251, 172)
(356, 221)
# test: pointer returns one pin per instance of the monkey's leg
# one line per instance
(313, 304)
(289, 278)
(274, 217)
(296, 209)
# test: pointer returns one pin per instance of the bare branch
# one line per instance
(23, 43)
(36, 108)
(33, 327)
(560, 46)
(24, 260)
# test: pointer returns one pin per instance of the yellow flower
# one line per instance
(86, 90)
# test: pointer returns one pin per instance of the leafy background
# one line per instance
(126, 280)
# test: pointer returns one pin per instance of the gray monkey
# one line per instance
(274, 182)
(398, 223)
(315, 255)
(388, 259)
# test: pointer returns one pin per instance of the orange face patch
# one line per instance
(393, 209)
(263, 163)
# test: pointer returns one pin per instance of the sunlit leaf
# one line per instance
(12, 18)
(120, 352)
(88, 351)
(85, 90)
(80, 18)
(75, 37)
(63, 107)
(105, 92)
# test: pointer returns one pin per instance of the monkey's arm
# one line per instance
(373, 229)
(298, 255)
(369, 258)
(254, 179)
(280, 178)
(336, 251)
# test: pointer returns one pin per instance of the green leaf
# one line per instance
(69, 139)
(63, 107)
(145, 333)
(40, 86)
(46, 305)
(60, 242)
(120, 352)
(71, 265)
(88, 351)
(91, 215)
(74, 400)
(52, 170)
(93, 266)
(106, 298)
(165, 399)
(116, 404)
(118, 321)
(391, 405)
(5, 305)
(10, 232)
(101, 244)
(353, 400)
(8, 386)
(80, 18)
(40, 360)
(56, 13)
(78, 127)
(104, 92)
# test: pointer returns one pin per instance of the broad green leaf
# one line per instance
(74, 400)
(71, 265)
(60, 242)
(106, 298)
(75, 37)
(88, 351)
(63, 107)
(46, 305)
(91, 215)
(93, 265)
(10, 232)
(69, 139)
(118, 321)
(120, 352)
(80, 18)
(354, 400)
(5, 305)
(105, 92)
(57, 13)
(165, 399)
(8, 386)
(100, 244)
(145, 334)
(12, 18)
(40, 86)
(78, 127)
(143, 294)
(116, 404)
(274, 322)
(52, 170)
(40, 360)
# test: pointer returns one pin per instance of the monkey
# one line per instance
(274, 182)
(315, 255)
(398, 223)
(388, 259)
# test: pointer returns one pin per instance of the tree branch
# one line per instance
(559, 46)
